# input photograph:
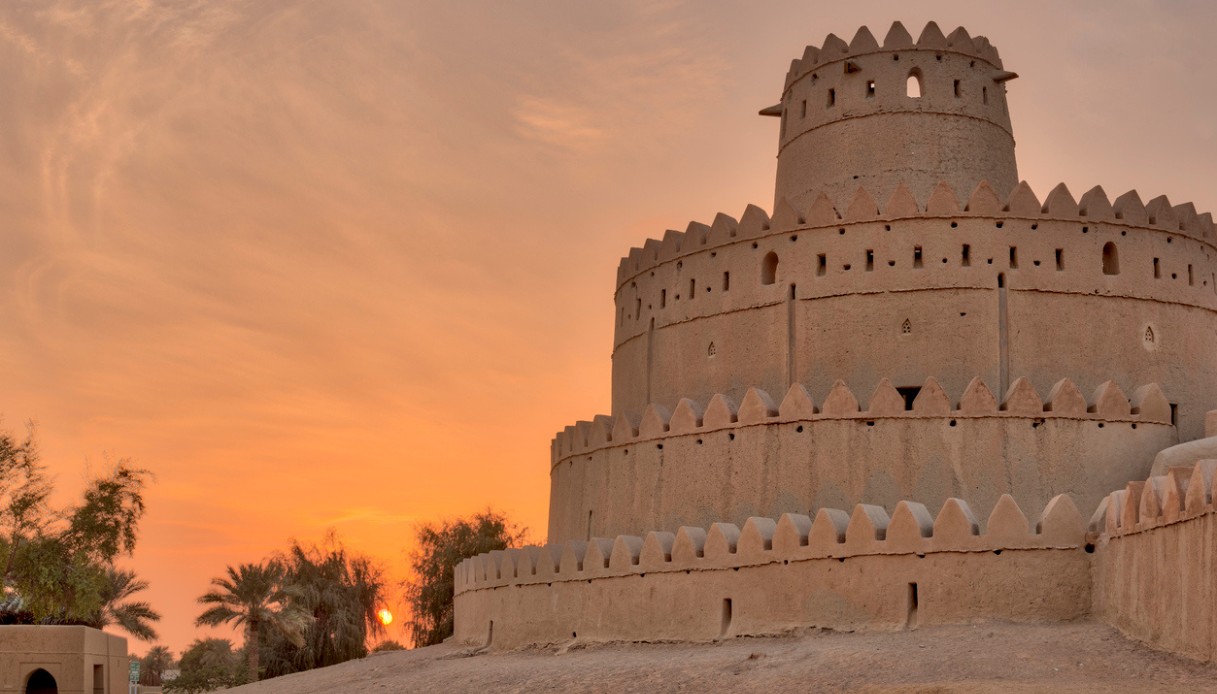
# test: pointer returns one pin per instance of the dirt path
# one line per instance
(1081, 657)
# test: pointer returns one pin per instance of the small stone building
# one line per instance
(62, 660)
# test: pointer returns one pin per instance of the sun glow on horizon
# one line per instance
(385, 616)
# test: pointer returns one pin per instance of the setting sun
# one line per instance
(386, 617)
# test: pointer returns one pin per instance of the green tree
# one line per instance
(440, 548)
(254, 596)
(135, 617)
(341, 592)
(55, 562)
(154, 664)
(208, 664)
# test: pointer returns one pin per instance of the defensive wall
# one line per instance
(913, 113)
(841, 571)
(715, 460)
(990, 287)
(1156, 560)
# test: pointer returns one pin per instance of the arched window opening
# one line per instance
(769, 268)
(906, 327)
(41, 682)
(912, 87)
(1111, 259)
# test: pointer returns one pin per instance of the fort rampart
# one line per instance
(842, 571)
(1156, 559)
(991, 288)
(718, 461)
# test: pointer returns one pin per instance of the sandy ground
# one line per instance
(1082, 657)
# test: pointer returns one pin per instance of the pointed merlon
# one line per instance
(942, 202)
(583, 434)
(1175, 494)
(656, 551)
(756, 539)
(756, 407)
(1022, 399)
(503, 568)
(932, 37)
(1110, 401)
(1129, 208)
(753, 222)
(719, 413)
(785, 216)
(1007, 525)
(1161, 213)
(695, 234)
(689, 545)
(1061, 524)
(596, 560)
(650, 250)
(961, 41)
(1149, 508)
(821, 212)
(886, 401)
(1186, 214)
(723, 228)
(897, 37)
(811, 57)
(1115, 510)
(625, 428)
(635, 258)
(1130, 505)
(955, 527)
(1150, 404)
(791, 533)
(840, 402)
(828, 532)
(654, 421)
(985, 50)
(863, 42)
(977, 398)
(911, 525)
(932, 400)
(1098, 519)
(1065, 399)
(721, 542)
(833, 48)
(572, 558)
(1200, 488)
(797, 404)
(901, 204)
(686, 417)
(1022, 201)
(867, 526)
(1060, 202)
(1095, 205)
(626, 552)
(984, 200)
(602, 430)
(862, 207)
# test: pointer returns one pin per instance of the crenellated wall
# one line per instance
(841, 571)
(1155, 566)
(714, 460)
(1086, 289)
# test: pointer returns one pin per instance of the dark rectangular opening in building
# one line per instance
(692, 288)
(1013, 258)
(822, 264)
(804, 114)
(1174, 414)
(1060, 259)
(956, 89)
(726, 625)
(870, 260)
(965, 256)
(832, 97)
(912, 619)
(1157, 269)
(917, 256)
(99, 679)
(663, 298)
(726, 281)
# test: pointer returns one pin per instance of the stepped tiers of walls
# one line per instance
(949, 286)
(917, 112)
(715, 461)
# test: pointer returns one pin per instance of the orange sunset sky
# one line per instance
(349, 263)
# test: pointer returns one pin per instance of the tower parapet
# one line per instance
(913, 112)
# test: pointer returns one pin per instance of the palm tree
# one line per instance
(253, 596)
(154, 664)
(134, 617)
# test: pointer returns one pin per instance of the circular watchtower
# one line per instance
(859, 114)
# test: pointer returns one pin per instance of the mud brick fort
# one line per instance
(917, 393)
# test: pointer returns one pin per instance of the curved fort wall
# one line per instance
(918, 113)
(1086, 289)
(842, 571)
(712, 460)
